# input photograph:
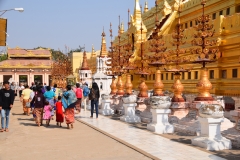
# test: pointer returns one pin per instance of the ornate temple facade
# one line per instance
(224, 74)
(27, 66)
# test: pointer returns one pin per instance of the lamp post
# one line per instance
(14, 9)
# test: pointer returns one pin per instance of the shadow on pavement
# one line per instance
(25, 119)
(28, 124)
(17, 114)
(52, 126)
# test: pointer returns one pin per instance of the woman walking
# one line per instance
(69, 101)
(38, 101)
(78, 91)
(50, 96)
(25, 99)
(94, 97)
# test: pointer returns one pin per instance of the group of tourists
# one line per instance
(45, 102)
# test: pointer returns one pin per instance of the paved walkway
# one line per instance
(145, 141)
(26, 141)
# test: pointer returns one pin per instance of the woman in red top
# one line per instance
(59, 112)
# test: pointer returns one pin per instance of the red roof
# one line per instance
(25, 52)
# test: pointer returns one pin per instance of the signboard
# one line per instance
(3, 31)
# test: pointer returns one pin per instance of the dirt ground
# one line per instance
(26, 141)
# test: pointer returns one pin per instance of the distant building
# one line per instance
(85, 74)
(100, 76)
(27, 66)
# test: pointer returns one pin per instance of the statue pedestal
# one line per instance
(160, 122)
(106, 109)
(210, 137)
(129, 104)
(129, 114)
(117, 104)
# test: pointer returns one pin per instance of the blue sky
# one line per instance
(56, 23)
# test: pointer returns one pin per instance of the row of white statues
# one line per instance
(210, 117)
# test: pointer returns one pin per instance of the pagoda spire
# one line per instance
(146, 7)
(122, 28)
(103, 52)
(137, 12)
(84, 63)
(93, 52)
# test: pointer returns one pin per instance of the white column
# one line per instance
(29, 76)
(160, 122)
(14, 76)
(1, 78)
(47, 79)
(211, 138)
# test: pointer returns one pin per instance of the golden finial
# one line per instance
(103, 51)
(146, 7)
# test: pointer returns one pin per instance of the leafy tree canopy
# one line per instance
(3, 57)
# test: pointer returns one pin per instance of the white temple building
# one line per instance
(100, 76)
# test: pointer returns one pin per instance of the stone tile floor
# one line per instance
(145, 141)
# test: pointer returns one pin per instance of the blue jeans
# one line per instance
(94, 102)
(5, 114)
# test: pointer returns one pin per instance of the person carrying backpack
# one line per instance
(94, 97)
(79, 93)
(86, 92)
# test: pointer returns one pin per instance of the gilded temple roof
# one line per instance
(18, 52)
(29, 63)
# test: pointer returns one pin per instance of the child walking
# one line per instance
(47, 112)
(59, 112)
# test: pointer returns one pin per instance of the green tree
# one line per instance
(3, 57)
(80, 49)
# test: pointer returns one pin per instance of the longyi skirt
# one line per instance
(69, 115)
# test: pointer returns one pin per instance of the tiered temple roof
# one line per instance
(24, 58)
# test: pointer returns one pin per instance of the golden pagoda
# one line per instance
(224, 74)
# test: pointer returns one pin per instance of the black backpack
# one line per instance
(92, 94)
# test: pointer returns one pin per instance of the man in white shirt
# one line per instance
(20, 89)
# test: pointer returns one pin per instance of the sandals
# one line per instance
(6, 130)
(71, 125)
(2, 130)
